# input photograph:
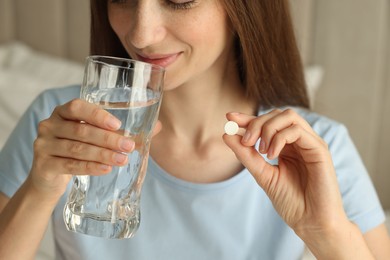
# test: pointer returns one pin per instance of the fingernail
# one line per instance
(270, 154)
(246, 136)
(120, 158)
(113, 123)
(126, 144)
(104, 167)
(262, 146)
(235, 113)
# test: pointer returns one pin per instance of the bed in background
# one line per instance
(24, 73)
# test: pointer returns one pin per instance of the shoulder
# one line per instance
(322, 125)
(43, 105)
(60, 95)
(47, 100)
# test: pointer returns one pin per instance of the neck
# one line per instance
(197, 110)
(193, 115)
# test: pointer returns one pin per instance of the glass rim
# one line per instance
(96, 58)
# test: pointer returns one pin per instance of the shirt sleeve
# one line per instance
(17, 154)
(360, 199)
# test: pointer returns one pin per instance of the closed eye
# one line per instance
(180, 4)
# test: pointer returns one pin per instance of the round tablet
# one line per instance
(231, 128)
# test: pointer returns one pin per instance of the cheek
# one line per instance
(212, 31)
(119, 22)
(209, 38)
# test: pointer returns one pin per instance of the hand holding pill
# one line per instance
(232, 128)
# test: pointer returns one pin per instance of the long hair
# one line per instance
(103, 40)
(268, 59)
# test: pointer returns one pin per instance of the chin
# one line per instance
(168, 88)
(170, 85)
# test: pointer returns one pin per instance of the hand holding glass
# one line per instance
(109, 206)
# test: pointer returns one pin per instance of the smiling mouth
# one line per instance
(160, 60)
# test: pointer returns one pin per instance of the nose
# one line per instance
(147, 25)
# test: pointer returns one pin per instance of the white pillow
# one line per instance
(24, 73)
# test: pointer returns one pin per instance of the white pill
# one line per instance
(231, 128)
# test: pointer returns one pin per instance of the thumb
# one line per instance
(261, 170)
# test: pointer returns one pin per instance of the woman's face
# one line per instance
(191, 39)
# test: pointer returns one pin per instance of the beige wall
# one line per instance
(351, 41)
(58, 27)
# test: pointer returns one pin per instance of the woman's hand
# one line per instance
(303, 186)
(78, 138)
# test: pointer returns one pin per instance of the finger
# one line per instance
(81, 151)
(241, 119)
(282, 138)
(77, 167)
(262, 171)
(252, 124)
(311, 150)
(276, 123)
(89, 134)
(80, 110)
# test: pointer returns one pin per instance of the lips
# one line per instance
(160, 60)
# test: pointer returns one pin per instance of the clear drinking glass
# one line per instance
(109, 206)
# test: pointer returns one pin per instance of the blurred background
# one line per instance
(345, 46)
(350, 41)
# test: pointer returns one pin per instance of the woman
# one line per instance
(204, 197)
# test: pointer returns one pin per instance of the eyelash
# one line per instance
(173, 5)
(181, 6)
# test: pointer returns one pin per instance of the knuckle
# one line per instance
(74, 106)
(39, 147)
(81, 130)
(89, 167)
(269, 129)
(70, 165)
(251, 124)
(256, 124)
(296, 127)
(56, 111)
(95, 112)
(44, 127)
(76, 148)
(38, 144)
(280, 137)
(275, 111)
(106, 138)
(104, 155)
(289, 112)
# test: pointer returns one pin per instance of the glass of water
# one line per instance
(109, 206)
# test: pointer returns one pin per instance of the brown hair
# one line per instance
(268, 59)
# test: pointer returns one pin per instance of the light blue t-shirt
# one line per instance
(232, 219)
